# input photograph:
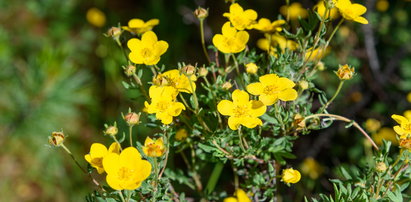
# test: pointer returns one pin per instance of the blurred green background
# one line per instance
(59, 72)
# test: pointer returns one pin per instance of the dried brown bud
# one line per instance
(201, 13)
(56, 139)
(188, 70)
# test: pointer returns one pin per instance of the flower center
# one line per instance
(146, 53)
(241, 110)
(125, 173)
(163, 105)
(97, 162)
(271, 89)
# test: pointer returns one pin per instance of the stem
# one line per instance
(334, 96)
(203, 41)
(240, 138)
(130, 129)
(115, 139)
(220, 121)
(138, 81)
(129, 196)
(218, 168)
(237, 68)
(333, 33)
(166, 138)
(121, 196)
(185, 102)
(287, 2)
(153, 198)
(341, 118)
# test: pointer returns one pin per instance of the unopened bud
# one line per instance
(132, 118)
(251, 68)
(329, 4)
(188, 69)
(227, 85)
(201, 13)
(130, 70)
(160, 80)
(56, 139)
(114, 32)
(381, 167)
(299, 122)
(303, 84)
(345, 72)
(111, 130)
(203, 72)
(320, 66)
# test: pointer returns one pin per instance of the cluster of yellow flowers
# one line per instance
(404, 129)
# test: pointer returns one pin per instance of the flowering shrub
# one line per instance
(245, 109)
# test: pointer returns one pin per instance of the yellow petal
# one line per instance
(175, 108)
(358, 9)
(144, 168)
(233, 123)
(164, 117)
(230, 199)
(269, 79)
(361, 20)
(242, 196)
(133, 43)
(136, 58)
(152, 22)
(268, 99)
(110, 163)
(225, 107)
(258, 108)
(240, 96)
(160, 47)
(114, 148)
(250, 14)
(135, 23)
(148, 141)
(129, 153)
(98, 150)
(149, 38)
(113, 182)
(399, 130)
(88, 158)
(228, 31)
(251, 122)
(242, 37)
(399, 119)
(236, 8)
(288, 95)
(284, 83)
(255, 88)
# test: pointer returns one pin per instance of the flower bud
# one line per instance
(181, 134)
(251, 68)
(303, 84)
(114, 32)
(320, 66)
(227, 85)
(405, 144)
(345, 72)
(329, 4)
(201, 13)
(380, 167)
(56, 139)
(130, 70)
(132, 118)
(188, 69)
(111, 130)
(160, 80)
(299, 122)
(290, 176)
(203, 71)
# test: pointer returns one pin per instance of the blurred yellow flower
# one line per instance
(266, 26)
(409, 97)
(382, 5)
(404, 129)
(407, 114)
(311, 168)
(295, 10)
(96, 17)
(386, 134)
(176, 80)
(181, 134)
(163, 103)
(241, 196)
(351, 11)
(276, 40)
(241, 19)
(98, 152)
(241, 110)
(154, 148)
(126, 170)
(372, 125)
(251, 68)
(147, 50)
(345, 72)
(344, 31)
(230, 41)
(316, 54)
(290, 176)
(272, 88)
(333, 14)
(138, 26)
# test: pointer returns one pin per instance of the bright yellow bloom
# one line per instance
(154, 148)
(230, 41)
(163, 103)
(351, 11)
(386, 134)
(276, 40)
(126, 170)
(138, 26)
(316, 54)
(241, 19)
(98, 152)
(177, 80)
(333, 14)
(96, 17)
(266, 26)
(242, 110)
(147, 50)
(290, 176)
(295, 10)
(404, 129)
(382, 5)
(241, 196)
(251, 68)
(272, 88)
(311, 168)
(372, 125)
(181, 134)
(345, 72)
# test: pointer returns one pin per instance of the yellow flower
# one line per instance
(241, 110)
(406, 144)
(295, 10)
(311, 168)
(409, 97)
(404, 129)
(290, 176)
(407, 114)
(266, 26)
(251, 68)
(382, 5)
(163, 103)
(351, 11)
(316, 54)
(181, 134)
(276, 40)
(147, 50)
(241, 19)
(98, 152)
(333, 14)
(230, 41)
(372, 125)
(96, 17)
(271, 88)
(177, 80)
(345, 72)
(138, 26)
(154, 148)
(126, 170)
(241, 196)
(386, 134)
